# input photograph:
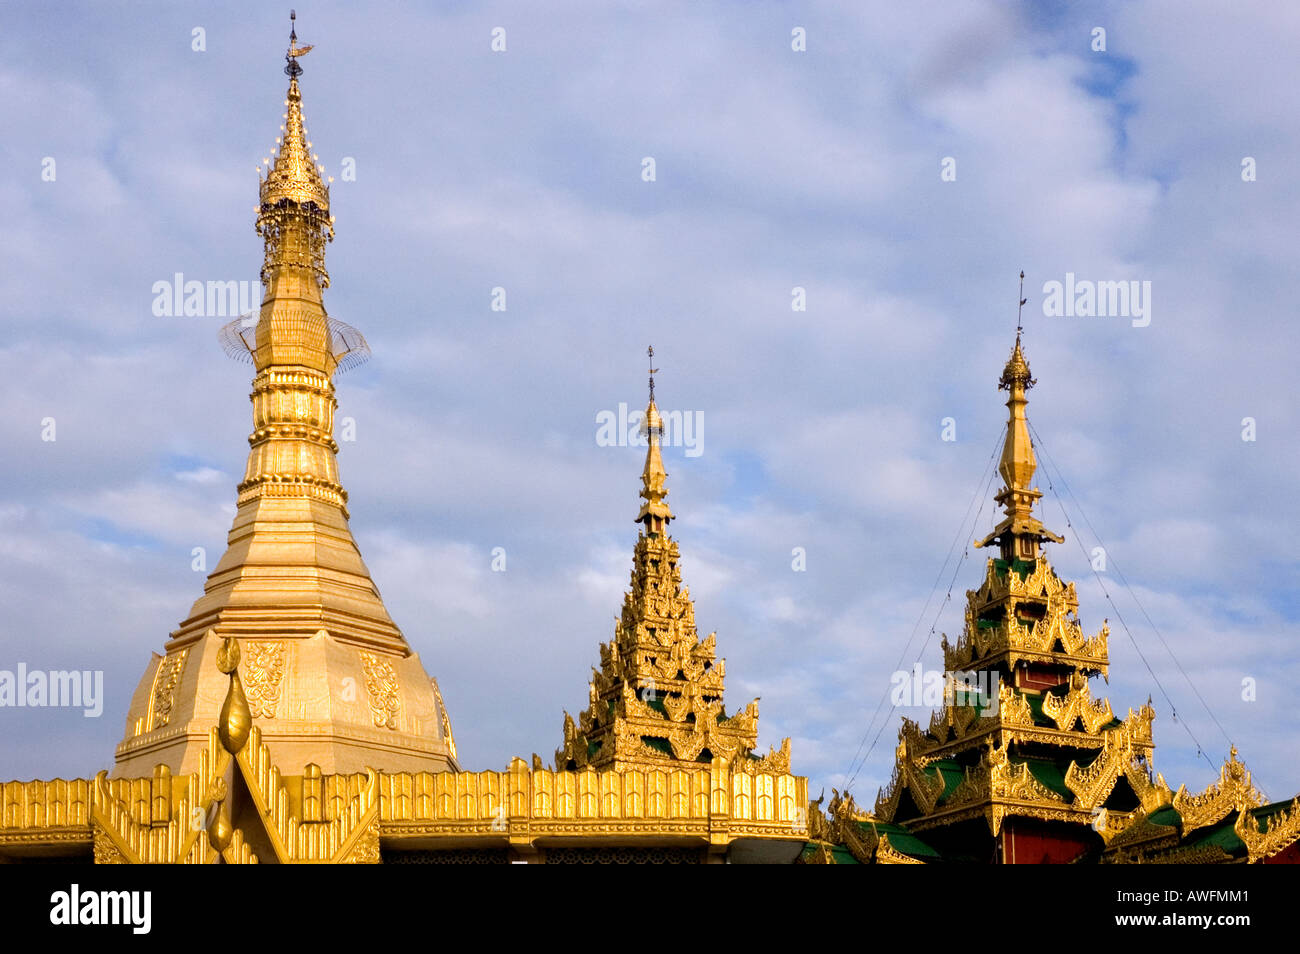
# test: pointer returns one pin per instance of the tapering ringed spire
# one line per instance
(1020, 532)
(654, 512)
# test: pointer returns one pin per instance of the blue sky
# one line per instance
(775, 169)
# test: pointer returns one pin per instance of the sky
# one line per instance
(901, 169)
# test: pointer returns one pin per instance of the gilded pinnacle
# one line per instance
(654, 512)
(293, 217)
(1020, 532)
(294, 176)
(1016, 371)
(1018, 462)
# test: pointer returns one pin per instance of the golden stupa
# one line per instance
(288, 721)
(327, 673)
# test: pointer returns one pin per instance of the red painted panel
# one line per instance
(1029, 843)
(1037, 677)
(1289, 855)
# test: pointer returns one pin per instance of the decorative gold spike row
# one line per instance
(238, 852)
(1013, 707)
(1122, 745)
(1112, 825)
(1153, 794)
(1077, 704)
(1009, 782)
(887, 854)
(975, 788)
(348, 804)
(1198, 855)
(864, 843)
(1281, 831)
(1041, 583)
(909, 773)
(1233, 792)
(158, 820)
(887, 798)
(977, 644)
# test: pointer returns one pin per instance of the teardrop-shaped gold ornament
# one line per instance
(236, 719)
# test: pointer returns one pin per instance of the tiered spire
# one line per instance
(1020, 534)
(1022, 764)
(1020, 742)
(657, 697)
(654, 513)
(332, 678)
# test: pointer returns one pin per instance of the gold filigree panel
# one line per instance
(164, 687)
(263, 674)
(381, 687)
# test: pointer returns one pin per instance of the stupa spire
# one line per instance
(291, 585)
(1020, 532)
(293, 216)
(654, 514)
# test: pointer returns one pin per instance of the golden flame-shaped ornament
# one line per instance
(220, 832)
(236, 719)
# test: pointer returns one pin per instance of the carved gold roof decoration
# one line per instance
(657, 697)
(1048, 756)
(330, 678)
(848, 835)
(1233, 792)
(1024, 612)
(1227, 822)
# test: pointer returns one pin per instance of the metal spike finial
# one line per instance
(650, 353)
(292, 69)
(1021, 306)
